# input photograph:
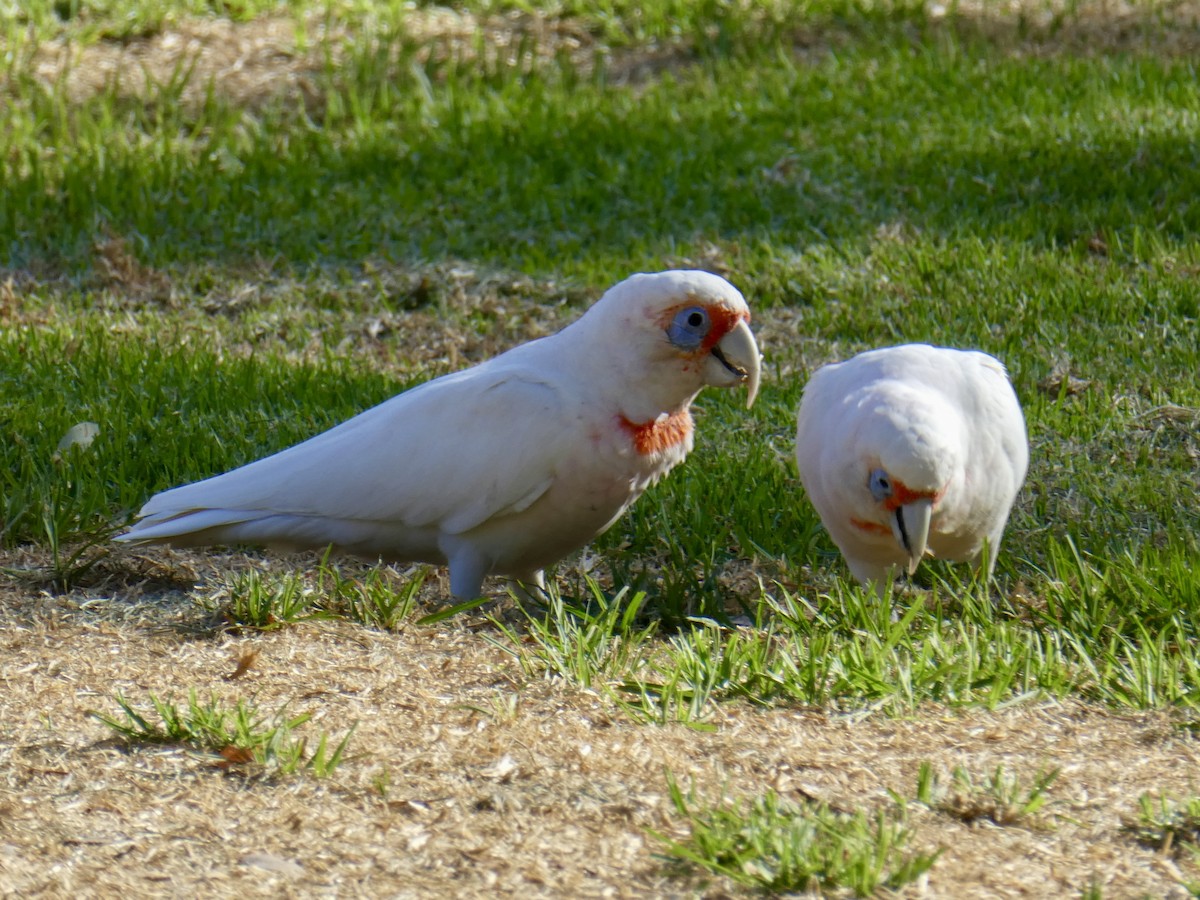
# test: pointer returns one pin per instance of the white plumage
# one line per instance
(503, 468)
(911, 450)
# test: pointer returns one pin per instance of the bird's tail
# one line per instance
(188, 527)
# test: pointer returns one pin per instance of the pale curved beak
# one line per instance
(910, 525)
(736, 360)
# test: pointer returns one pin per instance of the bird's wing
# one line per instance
(999, 409)
(451, 453)
(819, 431)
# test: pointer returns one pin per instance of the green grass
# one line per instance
(1167, 824)
(243, 738)
(1171, 827)
(1000, 797)
(144, 400)
(196, 276)
(954, 646)
(123, 19)
(587, 646)
(253, 600)
(781, 847)
(545, 170)
(265, 602)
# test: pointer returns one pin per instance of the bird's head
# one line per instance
(673, 333)
(907, 462)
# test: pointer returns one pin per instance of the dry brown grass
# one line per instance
(469, 778)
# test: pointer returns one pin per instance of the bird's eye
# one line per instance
(880, 485)
(689, 327)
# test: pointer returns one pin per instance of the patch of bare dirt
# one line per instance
(450, 316)
(279, 57)
(276, 57)
(247, 62)
(418, 322)
(414, 321)
(1093, 27)
(468, 777)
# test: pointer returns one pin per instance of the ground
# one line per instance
(469, 774)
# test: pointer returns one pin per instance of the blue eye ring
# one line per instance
(880, 484)
(690, 327)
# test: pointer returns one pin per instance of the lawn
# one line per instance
(225, 226)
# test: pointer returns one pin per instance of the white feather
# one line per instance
(503, 468)
(936, 420)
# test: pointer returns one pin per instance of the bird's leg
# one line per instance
(984, 564)
(468, 567)
(530, 587)
(872, 576)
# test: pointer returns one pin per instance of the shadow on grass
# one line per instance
(147, 595)
(1044, 131)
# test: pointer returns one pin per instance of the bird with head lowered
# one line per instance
(912, 450)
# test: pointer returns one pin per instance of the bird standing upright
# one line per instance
(503, 468)
(911, 450)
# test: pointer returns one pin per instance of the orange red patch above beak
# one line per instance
(902, 495)
(723, 319)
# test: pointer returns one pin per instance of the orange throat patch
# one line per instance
(659, 434)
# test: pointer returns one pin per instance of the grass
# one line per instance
(914, 184)
(1168, 824)
(1170, 827)
(257, 602)
(265, 601)
(1000, 797)
(587, 646)
(781, 847)
(846, 651)
(241, 737)
(212, 268)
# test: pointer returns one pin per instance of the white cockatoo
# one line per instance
(503, 468)
(911, 450)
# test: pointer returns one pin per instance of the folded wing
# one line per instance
(449, 455)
